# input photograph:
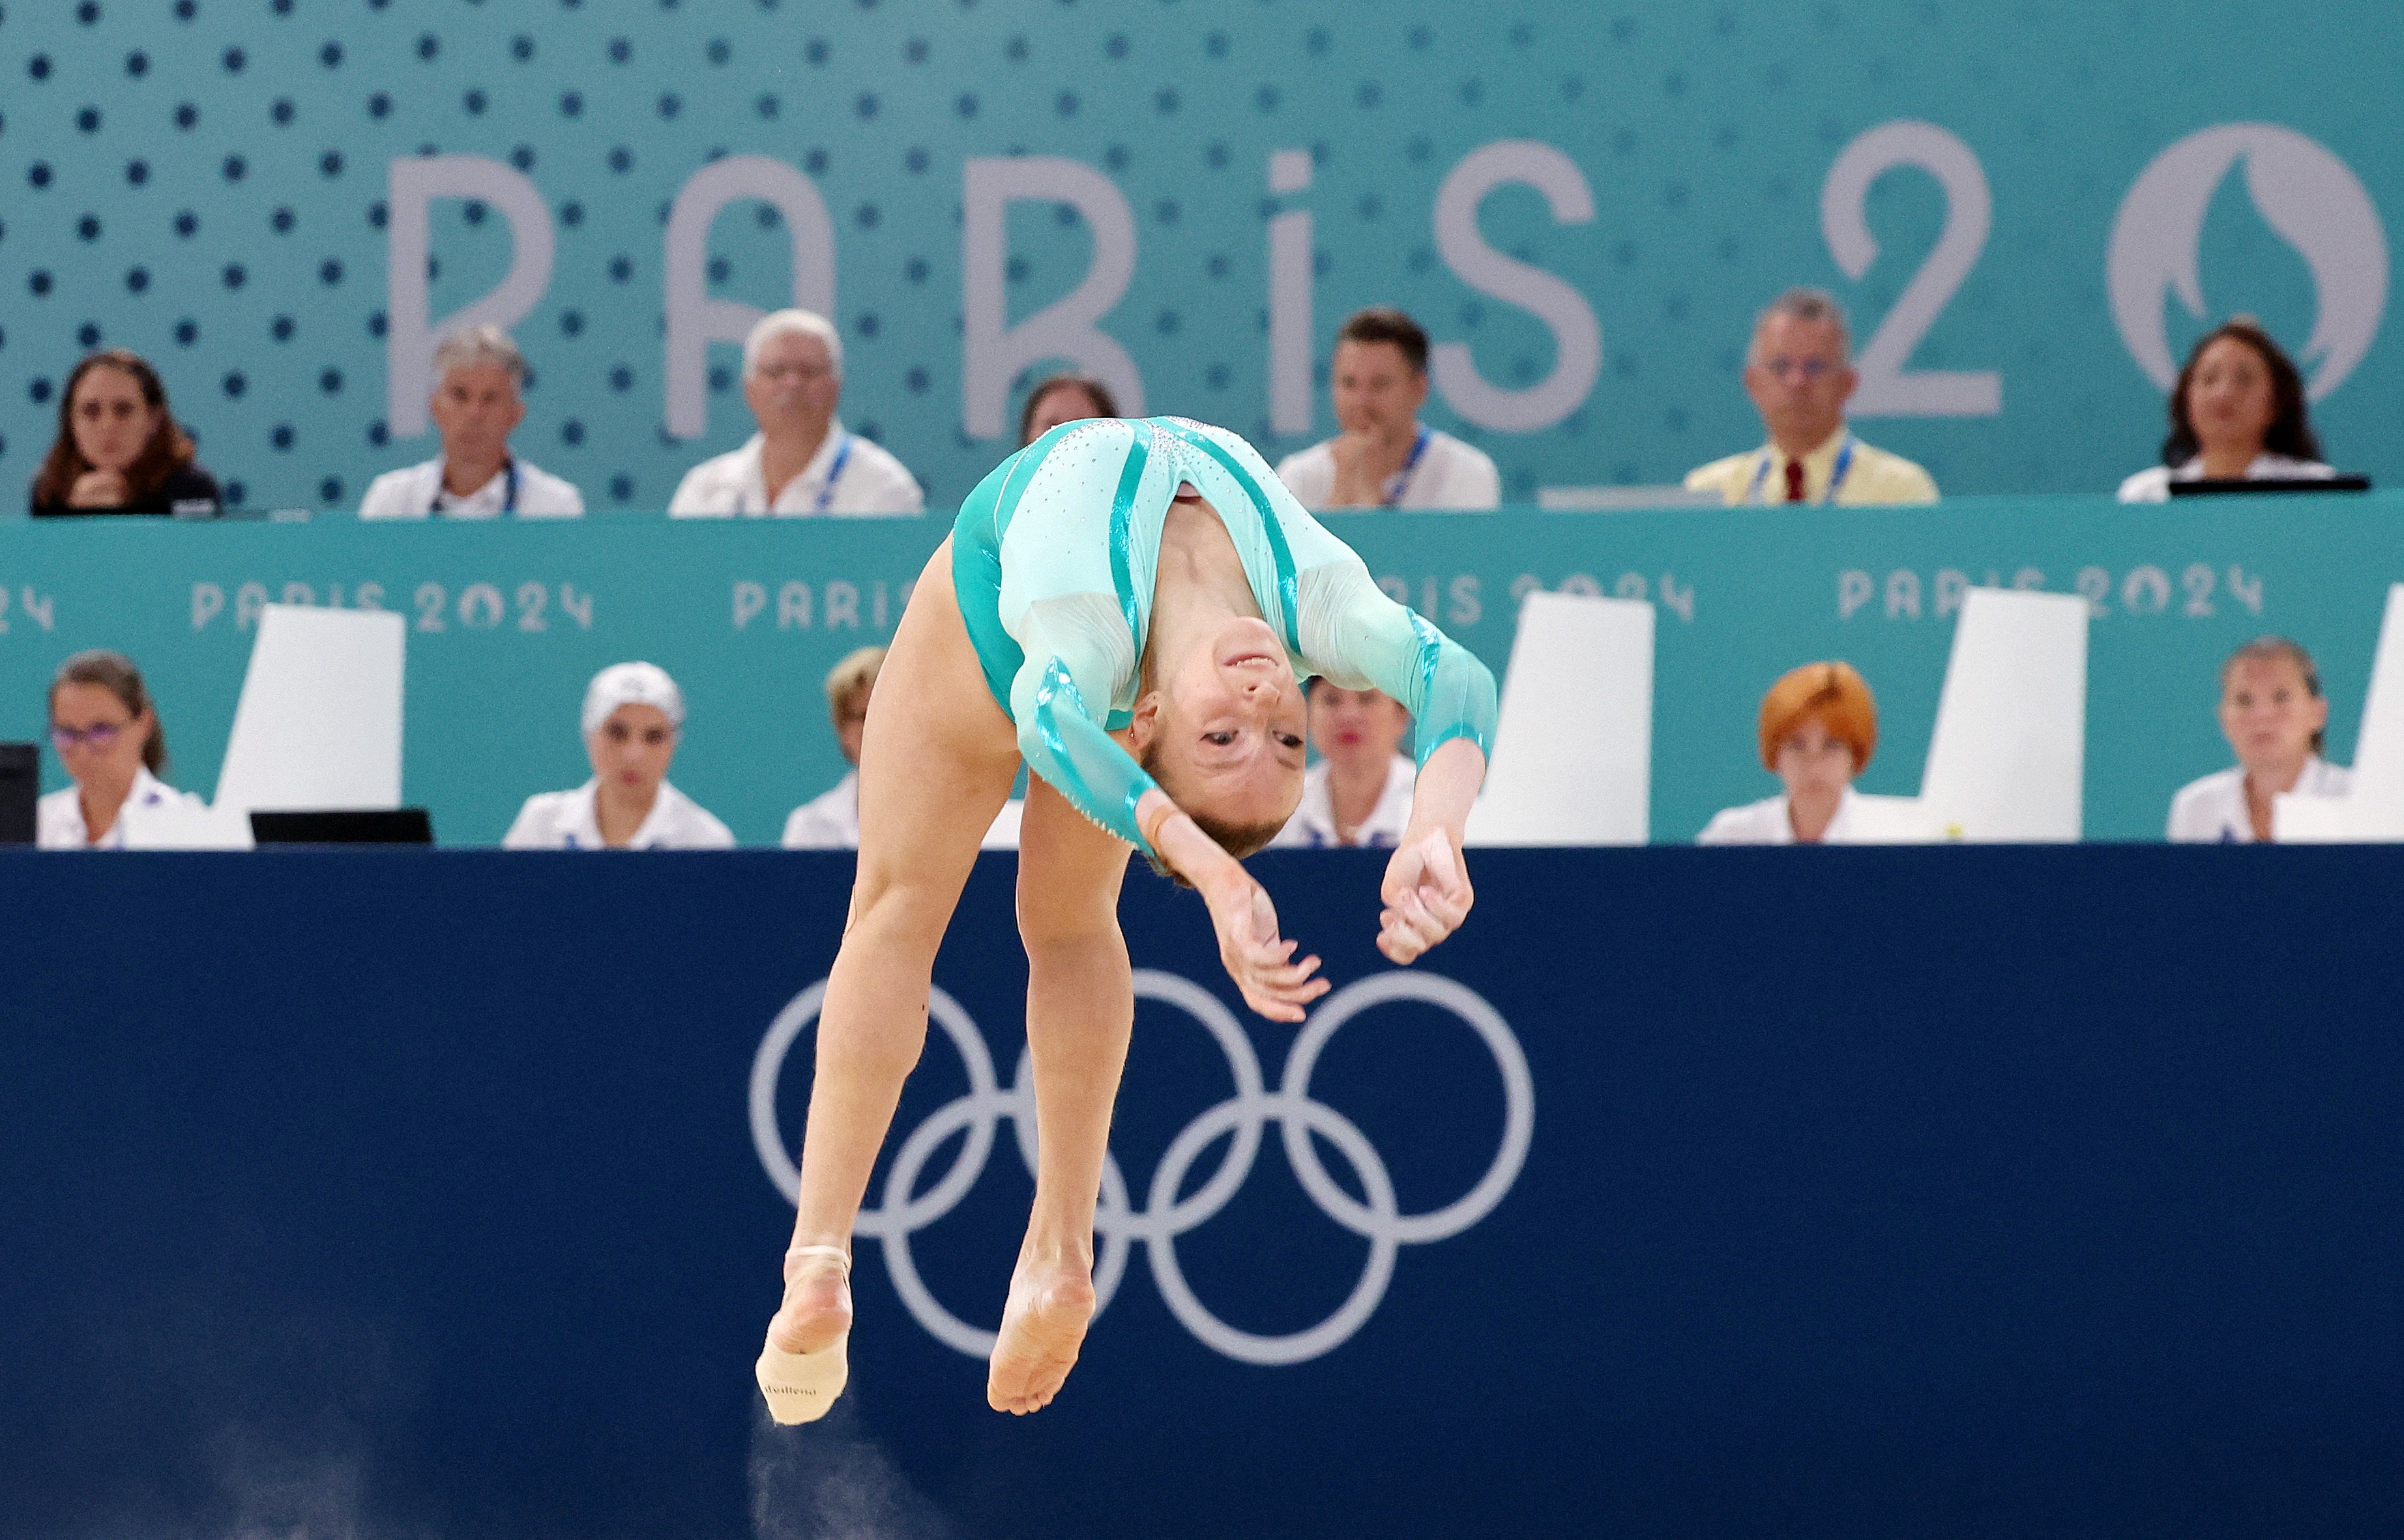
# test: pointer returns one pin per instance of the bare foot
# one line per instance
(1042, 1329)
(818, 1305)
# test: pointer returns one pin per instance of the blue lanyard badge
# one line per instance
(1836, 477)
(1400, 483)
(509, 491)
(824, 499)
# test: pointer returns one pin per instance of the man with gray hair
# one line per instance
(802, 460)
(478, 377)
(1799, 375)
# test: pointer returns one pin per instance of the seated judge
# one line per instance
(2237, 412)
(1359, 793)
(1063, 398)
(107, 736)
(831, 819)
(633, 714)
(1386, 457)
(1819, 727)
(478, 400)
(802, 460)
(119, 450)
(2274, 715)
(1800, 374)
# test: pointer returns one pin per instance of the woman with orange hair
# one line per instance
(1819, 727)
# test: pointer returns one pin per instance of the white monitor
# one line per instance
(318, 725)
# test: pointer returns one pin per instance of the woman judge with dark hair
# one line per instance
(119, 450)
(1063, 398)
(2236, 414)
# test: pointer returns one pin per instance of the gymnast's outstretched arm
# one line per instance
(1358, 636)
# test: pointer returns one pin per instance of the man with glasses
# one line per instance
(1799, 376)
(802, 460)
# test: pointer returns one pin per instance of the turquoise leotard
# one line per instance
(1053, 560)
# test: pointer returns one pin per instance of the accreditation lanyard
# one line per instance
(1836, 477)
(1400, 483)
(824, 499)
(509, 491)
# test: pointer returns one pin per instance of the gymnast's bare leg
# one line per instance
(935, 767)
(1080, 1012)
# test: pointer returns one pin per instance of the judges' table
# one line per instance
(508, 620)
(1685, 1193)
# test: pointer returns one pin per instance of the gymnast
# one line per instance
(1126, 604)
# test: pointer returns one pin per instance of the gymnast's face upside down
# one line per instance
(1222, 731)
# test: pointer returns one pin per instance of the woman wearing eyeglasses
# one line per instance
(107, 736)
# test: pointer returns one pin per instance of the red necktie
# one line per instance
(1795, 480)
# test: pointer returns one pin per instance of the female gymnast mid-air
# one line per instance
(1128, 606)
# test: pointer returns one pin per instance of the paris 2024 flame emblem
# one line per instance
(2308, 196)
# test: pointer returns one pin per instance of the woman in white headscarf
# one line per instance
(633, 714)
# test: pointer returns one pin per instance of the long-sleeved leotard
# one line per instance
(1053, 558)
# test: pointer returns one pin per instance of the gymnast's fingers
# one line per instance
(1421, 921)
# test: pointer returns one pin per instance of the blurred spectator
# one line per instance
(478, 375)
(1386, 457)
(1359, 793)
(802, 460)
(2236, 414)
(107, 736)
(119, 450)
(831, 822)
(633, 714)
(1063, 398)
(1799, 375)
(2274, 713)
(1819, 728)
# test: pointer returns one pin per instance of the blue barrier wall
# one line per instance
(508, 622)
(1869, 1193)
(2032, 213)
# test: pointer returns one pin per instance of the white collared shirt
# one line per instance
(871, 481)
(567, 820)
(417, 492)
(828, 822)
(2213, 810)
(2153, 484)
(57, 818)
(1313, 823)
(1767, 823)
(1449, 475)
(831, 820)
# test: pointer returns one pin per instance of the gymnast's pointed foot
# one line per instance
(1042, 1329)
(808, 1360)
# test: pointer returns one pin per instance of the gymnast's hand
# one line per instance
(1260, 964)
(1427, 896)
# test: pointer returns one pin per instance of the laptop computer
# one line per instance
(2214, 486)
(344, 826)
(21, 787)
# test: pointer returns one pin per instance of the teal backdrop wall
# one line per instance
(2031, 209)
(508, 620)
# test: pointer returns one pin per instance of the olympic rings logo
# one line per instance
(1119, 1224)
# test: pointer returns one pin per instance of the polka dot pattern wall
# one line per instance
(207, 182)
